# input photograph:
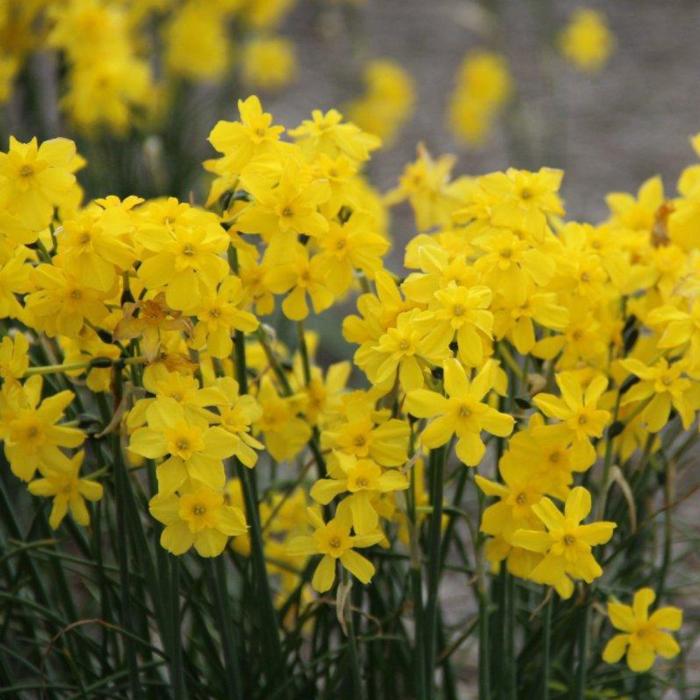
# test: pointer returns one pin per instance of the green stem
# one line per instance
(304, 352)
(484, 613)
(57, 369)
(276, 667)
(510, 685)
(314, 443)
(232, 674)
(607, 464)
(669, 496)
(546, 643)
(353, 656)
(416, 587)
(437, 464)
(456, 502)
(121, 487)
(175, 637)
(580, 687)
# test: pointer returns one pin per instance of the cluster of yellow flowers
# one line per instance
(587, 41)
(115, 75)
(483, 86)
(387, 102)
(549, 344)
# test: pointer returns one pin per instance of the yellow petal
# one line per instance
(176, 538)
(325, 490)
(615, 648)
(210, 542)
(324, 576)
(643, 598)
(532, 540)
(455, 378)
(364, 517)
(470, 449)
(423, 403)
(578, 504)
(639, 658)
(358, 566)
(666, 645)
(548, 513)
(670, 618)
(438, 432)
(621, 616)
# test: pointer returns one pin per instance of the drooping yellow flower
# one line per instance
(586, 41)
(198, 517)
(567, 544)
(334, 541)
(63, 483)
(462, 412)
(643, 635)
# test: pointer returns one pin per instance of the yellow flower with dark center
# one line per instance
(664, 387)
(198, 517)
(566, 545)
(643, 635)
(461, 413)
(33, 437)
(194, 449)
(364, 480)
(35, 179)
(334, 541)
(578, 406)
(63, 483)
